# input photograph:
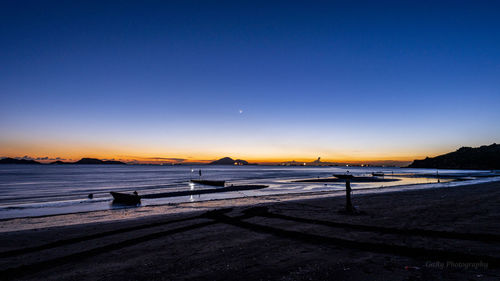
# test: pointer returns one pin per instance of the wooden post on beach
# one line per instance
(348, 202)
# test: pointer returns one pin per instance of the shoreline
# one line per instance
(413, 234)
(46, 193)
(142, 212)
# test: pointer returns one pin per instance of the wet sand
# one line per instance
(446, 233)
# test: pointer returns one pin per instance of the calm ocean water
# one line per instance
(35, 190)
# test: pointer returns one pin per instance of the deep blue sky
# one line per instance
(338, 79)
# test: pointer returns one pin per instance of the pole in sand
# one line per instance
(348, 202)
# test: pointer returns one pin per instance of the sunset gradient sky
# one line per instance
(261, 81)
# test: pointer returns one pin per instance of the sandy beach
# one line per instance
(249, 140)
(445, 233)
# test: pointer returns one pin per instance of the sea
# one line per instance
(42, 190)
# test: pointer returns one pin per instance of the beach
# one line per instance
(249, 140)
(42, 190)
(446, 233)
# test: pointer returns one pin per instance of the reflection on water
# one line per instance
(115, 205)
(36, 190)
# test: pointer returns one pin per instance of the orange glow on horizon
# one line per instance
(48, 151)
(201, 159)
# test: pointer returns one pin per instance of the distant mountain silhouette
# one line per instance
(9, 160)
(229, 161)
(59, 162)
(97, 161)
(486, 157)
(94, 161)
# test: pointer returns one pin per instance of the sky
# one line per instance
(258, 80)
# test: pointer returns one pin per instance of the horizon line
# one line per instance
(172, 160)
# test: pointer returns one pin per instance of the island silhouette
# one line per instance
(83, 161)
(486, 157)
(9, 160)
(229, 161)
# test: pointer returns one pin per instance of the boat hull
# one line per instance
(343, 176)
(127, 199)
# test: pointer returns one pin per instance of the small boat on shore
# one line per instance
(124, 198)
(343, 176)
(209, 182)
(378, 174)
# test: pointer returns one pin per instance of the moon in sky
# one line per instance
(241, 111)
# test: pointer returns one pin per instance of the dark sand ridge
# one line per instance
(355, 179)
(287, 241)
